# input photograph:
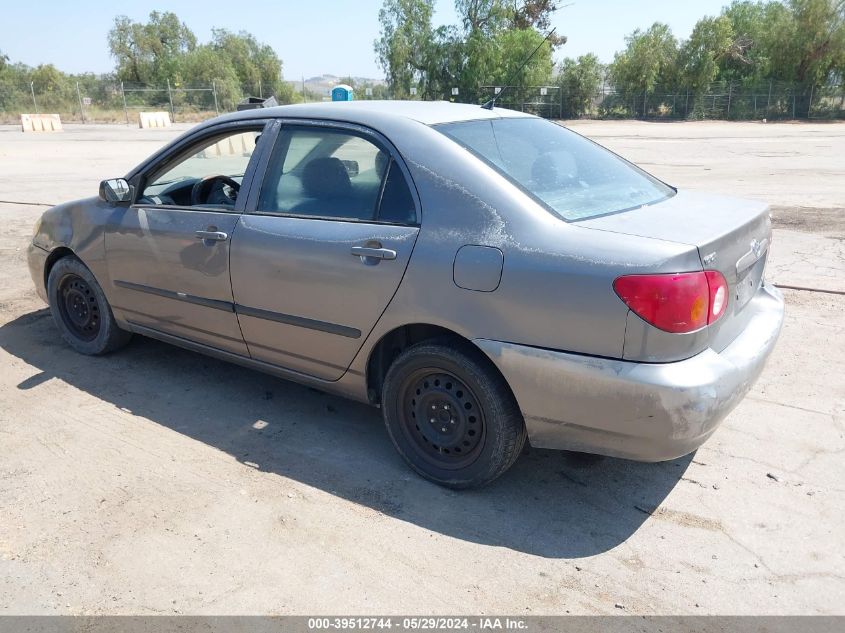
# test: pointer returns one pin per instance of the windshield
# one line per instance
(573, 176)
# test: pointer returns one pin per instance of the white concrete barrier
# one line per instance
(236, 145)
(153, 119)
(41, 123)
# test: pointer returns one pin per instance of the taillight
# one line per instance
(718, 294)
(677, 302)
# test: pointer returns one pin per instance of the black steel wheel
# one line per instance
(451, 415)
(80, 309)
(442, 419)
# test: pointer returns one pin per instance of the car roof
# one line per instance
(395, 119)
(427, 112)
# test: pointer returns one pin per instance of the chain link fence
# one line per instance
(720, 100)
(95, 100)
(103, 101)
(544, 101)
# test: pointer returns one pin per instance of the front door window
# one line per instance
(208, 175)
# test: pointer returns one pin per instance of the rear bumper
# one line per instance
(641, 411)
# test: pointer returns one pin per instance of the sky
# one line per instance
(312, 37)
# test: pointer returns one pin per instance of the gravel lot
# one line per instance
(157, 480)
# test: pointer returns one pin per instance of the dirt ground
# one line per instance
(159, 481)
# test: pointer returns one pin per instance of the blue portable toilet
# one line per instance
(342, 92)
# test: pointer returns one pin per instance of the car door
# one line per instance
(322, 247)
(168, 253)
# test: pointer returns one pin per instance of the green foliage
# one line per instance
(538, 14)
(810, 41)
(649, 59)
(753, 24)
(712, 41)
(165, 50)
(234, 63)
(444, 63)
(493, 39)
(405, 43)
(152, 52)
(580, 81)
(485, 17)
(800, 41)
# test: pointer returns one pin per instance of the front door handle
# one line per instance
(215, 236)
(377, 253)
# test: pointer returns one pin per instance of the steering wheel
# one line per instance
(211, 190)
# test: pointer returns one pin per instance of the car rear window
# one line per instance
(571, 175)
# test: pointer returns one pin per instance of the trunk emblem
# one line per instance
(709, 259)
(757, 247)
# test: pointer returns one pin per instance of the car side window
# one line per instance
(330, 173)
(397, 203)
(208, 175)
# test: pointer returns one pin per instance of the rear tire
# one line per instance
(451, 415)
(80, 309)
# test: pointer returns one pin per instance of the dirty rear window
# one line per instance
(571, 175)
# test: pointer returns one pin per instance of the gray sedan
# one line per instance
(482, 275)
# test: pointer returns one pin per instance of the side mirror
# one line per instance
(115, 190)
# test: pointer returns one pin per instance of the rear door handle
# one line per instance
(216, 236)
(378, 253)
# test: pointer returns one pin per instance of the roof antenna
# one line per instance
(488, 105)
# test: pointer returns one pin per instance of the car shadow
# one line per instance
(552, 504)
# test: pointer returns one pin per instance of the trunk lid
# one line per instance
(732, 236)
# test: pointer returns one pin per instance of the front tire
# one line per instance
(451, 415)
(80, 309)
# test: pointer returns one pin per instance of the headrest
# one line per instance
(325, 178)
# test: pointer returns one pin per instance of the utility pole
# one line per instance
(32, 90)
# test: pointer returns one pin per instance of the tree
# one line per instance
(711, 43)
(811, 41)
(538, 14)
(753, 24)
(490, 43)
(206, 66)
(165, 50)
(649, 59)
(487, 17)
(512, 49)
(444, 63)
(580, 81)
(151, 52)
(405, 43)
(54, 88)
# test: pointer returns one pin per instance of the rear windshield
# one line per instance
(571, 175)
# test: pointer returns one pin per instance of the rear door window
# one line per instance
(334, 173)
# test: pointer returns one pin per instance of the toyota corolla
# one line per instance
(482, 275)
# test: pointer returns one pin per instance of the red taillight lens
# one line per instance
(678, 302)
